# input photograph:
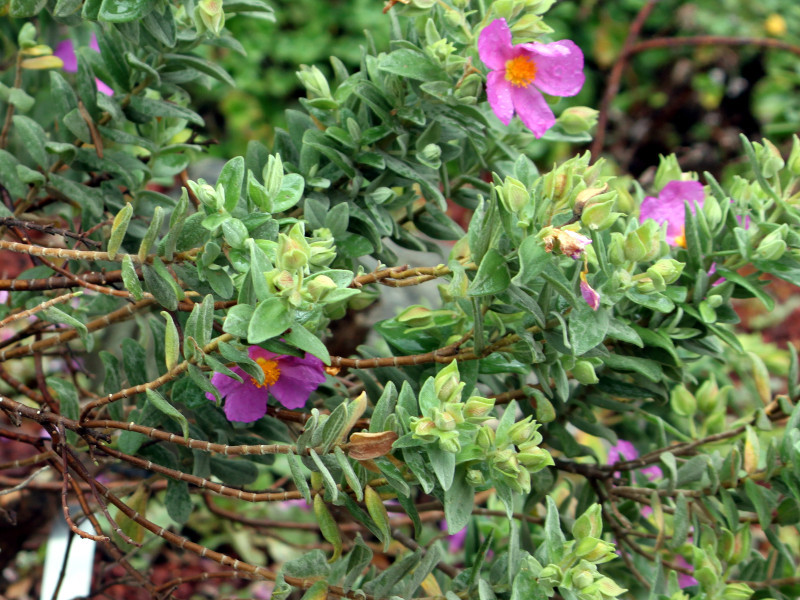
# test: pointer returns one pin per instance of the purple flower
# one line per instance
(66, 52)
(455, 541)
(289, 379)
(668, 208)
(519, 74)
(589, 294)
(625, 451)
(684, 580)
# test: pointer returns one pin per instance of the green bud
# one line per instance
(475, 478)
(485, 438)
(715, 422)
(424, 429)
(415, 316)
(668, 170)
(448, 441)
(291, 255)
(470, 87)
(794, 157)
(447, 383)
(523, 430)
(212, 15)
(616, 249)
(514, 195)
(444, 420)
(583, 371)
(582, 578)
(769, 158)
(706, 577)
(650, 235)
(454, 18)
(648, 285)
(727, 544)
(607, 587)
(589, 524)
(707, 395)
(440, 50)
(530, 27)
(551, 575)
(682, 401)
(600, 215)
(477, 409)
(577, 119)
(273, 175)
(668, 268)
(742, 547)
(314, 82)
(27, 36)
(534, 458)
(320, 286)
(621, 280)
(712, 211)
(430, 156)
(594, 550)
(522, 482)
(715, 300)
(737, 591)
(634, 249)
(506, 462)
(772, 247)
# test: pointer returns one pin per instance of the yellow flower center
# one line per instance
(520, 71)
(272, 372)
(680, 240)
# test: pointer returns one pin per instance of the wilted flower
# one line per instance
(589, 293)
(519, 74)
(66, 52)
(570, 242)
(289, 379)
(668, 208)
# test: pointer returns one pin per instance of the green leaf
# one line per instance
(9, 178)
(649, 368)
(159, 402)
(553, 536)
(237, 320)
(25, 8)
(411, 64)
(458, 502)
(298, 477)
(443, 465)
(270, 319)
(153, 230)
(178, 501)
(33, 138)
(587, 328)
(492, 277)
(327, 479)
(56, 315)
(134, 362)
(209, 68)
(305, 340)
(234, 472)
(67, 396)
(162, 288)
(763, 505)
(130, 278)
(532, 260)
(120, 11)
(158, 108)
(118, 229)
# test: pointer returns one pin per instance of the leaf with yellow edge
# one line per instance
(42, 62)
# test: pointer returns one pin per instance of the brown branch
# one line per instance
(48, 229)
(612, 88)
(712, 40)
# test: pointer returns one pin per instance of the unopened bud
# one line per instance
(448, 441)
(577, 119)
(530, 27)
(768, 158)
(616, 249)
(320, 286)
(737, 591)
(534, 458)
(794, 157)
(447, 383)
(477, 408)
(415, 316)
(589, 524)
(475, 478)
(485, 437)
(514, 195)
(600, 215)
(773, 247)
(506, 462)
(424, 428)
(682, 401)
(583, 371)
(668, 170)
(707, 395)
(314, 82)
(668, 268)
(212, 15)
(522, 431)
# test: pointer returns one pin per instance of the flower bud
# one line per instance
(551, 575)
(600, 215)
(514, 195)
(530, 27)
(715, 300)
(447, 383)
(415, 316)
(769, 158)
(582, 578)
(794, 157)
(634, 248)
(616, 249)
(668, 268)
(523, 430)
(534, 458)
(737, 591)
(320, 286)
(291, 255)
(485, 438)
(314, 82)
(424, 429)
(470, 87)
(595, 550)
(646, 285)
(522, 482)
(577, 119)
(430, 156)
(27, 36)
(621, 280)
(212, 15)
(682, 401)
(668, 170)
(448, 441)
(712, 211)
(477, 408)
(707, 395)
(475, 478)
(583, 371)
(772, 247)
(506, 462)
(273, 175)
(589, 524)
(444, 420)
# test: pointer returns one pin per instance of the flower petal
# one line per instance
(499, 91)
(299, 377)
(559, 67)
(66, 52)
(532, 109)
(246, 404)
(678, 192)
(103, 88)
(668, 207)
(494, 44)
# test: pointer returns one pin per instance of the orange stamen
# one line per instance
(680, 240)
(272, 372)
(520, 71)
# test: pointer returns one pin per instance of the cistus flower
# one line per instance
(569, 242)
(589, 293)
(624, 450)
(289, 379)
(66, 52)
(519, 74)
(668, 208)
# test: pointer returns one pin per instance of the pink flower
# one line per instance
(456, 541)
(684, 580)
(289, 379)
(66, 52)
(589, 293)
(519, 74)
(570, 242)
(625, 451)
(668, 208)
